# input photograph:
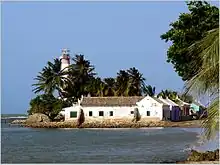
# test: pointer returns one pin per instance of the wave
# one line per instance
(15, 117)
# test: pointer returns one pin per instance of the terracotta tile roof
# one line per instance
(111, 101)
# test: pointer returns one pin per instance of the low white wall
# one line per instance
(155, 112)
(69, 109)
(118, 112)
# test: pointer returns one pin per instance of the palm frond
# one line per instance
(211, 123)
(207, 78)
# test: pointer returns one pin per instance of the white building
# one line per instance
(117, 107)
(154, 107)
(171, 104)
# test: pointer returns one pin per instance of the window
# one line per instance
(90, 113)
(132, 112)
(111, 113)
(73, 114)
(148, 113)
(101, 113)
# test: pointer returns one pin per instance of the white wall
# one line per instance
(118, 112)
(149, 104)
(146, 104)
(69, 109)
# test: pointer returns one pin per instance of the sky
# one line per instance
(112, 35)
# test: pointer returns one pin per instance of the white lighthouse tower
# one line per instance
(65, 62)
(65, 59)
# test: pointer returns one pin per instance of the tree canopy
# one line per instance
(188, 29)
(80, 79)
(47, 104)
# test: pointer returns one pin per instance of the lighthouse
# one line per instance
(65, 62)
(65, 59)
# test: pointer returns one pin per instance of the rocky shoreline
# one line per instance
(199, 162)
(208, 157)
(114, 123)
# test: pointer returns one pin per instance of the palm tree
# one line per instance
(207, 78)
(172, 95)
(81, 72)
(110, 86)
(93, 86)
(122, 83)
(136, 81)
(164, 94)
(51, 79)
(149, 90)
(101, 90)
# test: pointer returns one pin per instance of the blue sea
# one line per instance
(144, 145)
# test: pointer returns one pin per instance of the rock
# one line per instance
(204, 156)
(37, 117)
(18, 122)
(195, 156)
(217, 154)
(59, 118)
(107, 123)
(209, 155)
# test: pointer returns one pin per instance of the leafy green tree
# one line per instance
(47, 104)
(188, 29)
